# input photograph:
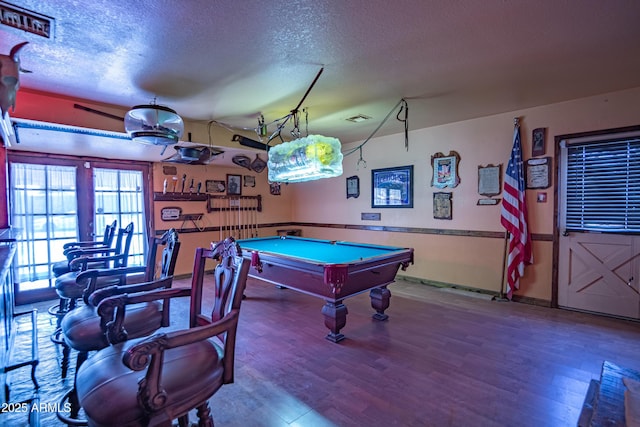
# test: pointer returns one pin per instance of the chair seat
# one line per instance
(108, 390)
(61, 267)
(82, 332)
(68, 288)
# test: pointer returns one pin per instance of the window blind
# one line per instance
(603, 186)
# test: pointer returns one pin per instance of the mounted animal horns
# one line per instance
(10, 78)
(14, 55)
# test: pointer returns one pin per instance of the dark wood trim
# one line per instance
(412, 230)
(211, 229)
(4, 200)
(419, 230)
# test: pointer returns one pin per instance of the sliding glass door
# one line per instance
(58, 200)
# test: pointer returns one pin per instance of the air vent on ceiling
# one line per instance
(26, 20)
(358, 118)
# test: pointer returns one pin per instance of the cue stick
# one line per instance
(216, 202)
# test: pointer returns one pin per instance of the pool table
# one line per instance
(328, 269)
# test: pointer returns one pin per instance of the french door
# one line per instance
(54, 201)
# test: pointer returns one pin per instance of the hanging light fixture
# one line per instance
(153, 124)
(305, 159)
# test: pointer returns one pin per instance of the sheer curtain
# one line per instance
(119, 194)
(44, 209)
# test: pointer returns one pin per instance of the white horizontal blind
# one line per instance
(603, 186)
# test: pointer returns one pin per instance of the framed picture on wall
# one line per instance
(392, 187)
(353, 187)
(445, 170)
(442, 206)
(538, 145)
(234, 185)
(215, 186)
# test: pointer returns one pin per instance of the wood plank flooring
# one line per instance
(442, 359)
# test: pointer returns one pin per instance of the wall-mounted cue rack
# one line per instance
(234, 203)
(238, 215)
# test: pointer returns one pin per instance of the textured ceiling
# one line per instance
(232, 61)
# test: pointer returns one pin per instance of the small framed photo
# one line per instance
(445, 170)
(249, 181)
(392, 187)
(353, 187)
(234, 185)
(538, 145)
(215, 186)
(274, 188)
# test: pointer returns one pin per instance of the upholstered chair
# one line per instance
(81, 327)
(73, 250)
(157, 379)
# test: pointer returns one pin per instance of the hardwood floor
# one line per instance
(443, 358)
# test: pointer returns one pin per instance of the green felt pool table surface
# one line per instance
(318, 250)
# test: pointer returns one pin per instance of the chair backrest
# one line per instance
(123, 245)
(230, 277)
(109, 233)
(171, 247)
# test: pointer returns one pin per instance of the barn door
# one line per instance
(599, 220)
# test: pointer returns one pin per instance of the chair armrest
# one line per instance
(150, 352)
(96, 297)
(112, 310)
(89, 278)
(92, 250)
(83, 261)
(82, 244)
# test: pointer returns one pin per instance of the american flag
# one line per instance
(513, 217)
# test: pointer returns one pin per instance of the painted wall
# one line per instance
(461, 260)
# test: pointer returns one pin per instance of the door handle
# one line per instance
(565, 233)
(630, 280)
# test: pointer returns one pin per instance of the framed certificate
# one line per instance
(538, 173)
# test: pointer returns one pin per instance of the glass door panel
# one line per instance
(44, 209)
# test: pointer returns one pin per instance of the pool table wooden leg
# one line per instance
(335, 317)
(380, 302)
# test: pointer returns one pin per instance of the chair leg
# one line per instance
(183, 421)
(73, 397)
(204, 415)
(64, 364)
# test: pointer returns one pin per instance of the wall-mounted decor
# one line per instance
(392, 187)
(215, 186)
(442, 206)
(489, 180)
(249, 181)
(370, 216)
(234, 185)
(274, 188)
(445, 170)
(170, 213)
(353, 187)
(538, 173)
(538, 145)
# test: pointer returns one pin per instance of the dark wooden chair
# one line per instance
(81, 328)
(67, 287)
(74, 250)
(182, 368)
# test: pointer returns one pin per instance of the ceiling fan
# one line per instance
(194, 154)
